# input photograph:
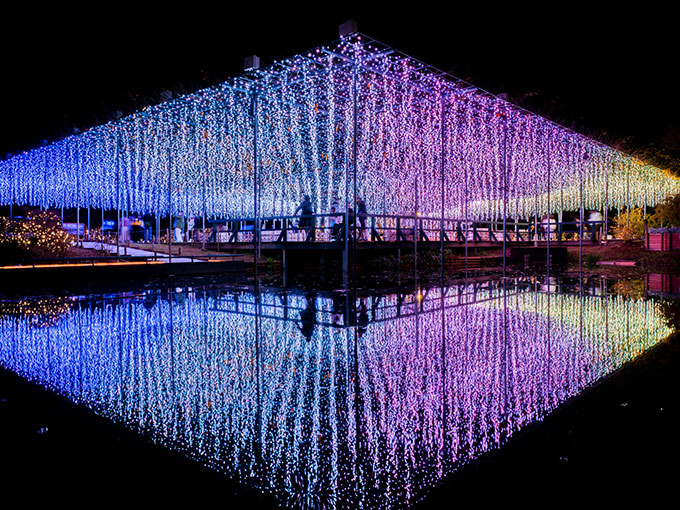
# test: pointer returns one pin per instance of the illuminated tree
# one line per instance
(667, 213)
(40, 235)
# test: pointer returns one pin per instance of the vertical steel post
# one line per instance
(118, 196)
(628, 196)
(547, 254)
(258, 374)
(205, 207)
(467, 214)
(44, 204)
(504, 170)
(415, 233)
(355, 122)
(580, 223)
(533, 151)
(170, 229)
(536, 223)
(345, 248)
(78, 206)
(256, 178)
(605, 228)
(441, 170)
(12, 194)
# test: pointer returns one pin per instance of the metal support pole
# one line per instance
(415, 233)
(355, 152)
(628, 197)
(536, 227)
(256, 179)
(547, 255)
(345, 246)
(535, 198)
(467, 219)
(43, 205)
(441, 170)
(504, 170)
(580, 222)
(12, 194)
(118, 232)
(170, 230)
(78, 240)
(118, 198)
(560, 216)
(204, 213)
(644, 218)
(605, 228)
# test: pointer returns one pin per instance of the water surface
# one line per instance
(330, 400)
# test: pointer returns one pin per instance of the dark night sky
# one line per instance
(594, 71)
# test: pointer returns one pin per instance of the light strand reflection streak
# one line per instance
(348, 403)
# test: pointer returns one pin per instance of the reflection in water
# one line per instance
(333, 400)
(39, 312)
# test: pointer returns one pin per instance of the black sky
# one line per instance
(597, 71)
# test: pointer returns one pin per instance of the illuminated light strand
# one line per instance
(305, 146)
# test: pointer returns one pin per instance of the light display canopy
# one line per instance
(352, 117)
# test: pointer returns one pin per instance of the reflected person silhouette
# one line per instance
(308, 317)
(362, 317)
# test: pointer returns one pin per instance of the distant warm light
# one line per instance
(39, 266)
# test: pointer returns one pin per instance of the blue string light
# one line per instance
(196, 153)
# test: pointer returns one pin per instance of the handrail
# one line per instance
(406, 228)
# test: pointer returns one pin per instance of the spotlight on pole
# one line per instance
(251, 63)
(348, 28)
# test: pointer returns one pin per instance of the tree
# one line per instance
(667, 213)
(663, 151)
(39, 235)
(628, 226)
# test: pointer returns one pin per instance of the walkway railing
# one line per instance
(329, 228)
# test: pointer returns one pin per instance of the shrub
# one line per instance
(634, 289)
(591, 260)
(629, 226)
(670, 310)
(667, 213)
(39, 235)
